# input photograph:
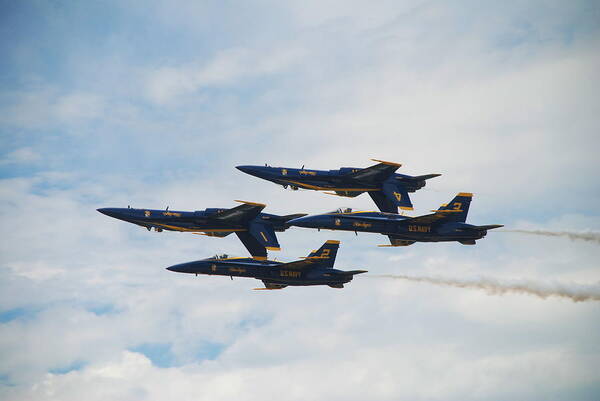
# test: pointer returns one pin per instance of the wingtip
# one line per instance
(388, 163)
(250, 203)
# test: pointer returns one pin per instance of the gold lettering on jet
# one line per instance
(364, 225)
(420, 229)
(289, 273)
(172, 214)
(304, 172)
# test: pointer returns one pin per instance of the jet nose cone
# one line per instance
(246, 169)
(180, 268)
(189, 267)
(257, 171)
(110, 211)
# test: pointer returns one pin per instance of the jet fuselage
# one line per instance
(269, 271)
(197, 221)
(335, 180)
(391, 224)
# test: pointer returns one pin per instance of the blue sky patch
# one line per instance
(159, 353)
(62, 370)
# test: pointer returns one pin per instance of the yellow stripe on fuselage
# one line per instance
(317, 188)
(204, 230)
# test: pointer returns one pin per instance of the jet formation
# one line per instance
(388, 189)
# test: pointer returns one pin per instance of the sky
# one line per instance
(116, 103)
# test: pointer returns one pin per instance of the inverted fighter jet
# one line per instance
(256, 230)
(315, 269)
(388, 189)
(445, 224)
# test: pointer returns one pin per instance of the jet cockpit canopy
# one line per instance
(342, 210)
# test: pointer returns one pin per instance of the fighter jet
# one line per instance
(388, 189)
(445, 224)
(256, 230)
(315, 269)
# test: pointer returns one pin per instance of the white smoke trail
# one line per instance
(574, 292)
(593, 236)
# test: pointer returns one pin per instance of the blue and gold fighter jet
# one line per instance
(315, 269)
(256, 230)
(445, 224)
(388, 189)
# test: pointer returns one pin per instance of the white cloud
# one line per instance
(25, 155)
(165, 84)
(45, 107)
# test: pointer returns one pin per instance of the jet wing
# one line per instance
(271, 286)
(396, 241)
(378, 172)
(303, 264)
(431, 218)
(239, 214)
(220, 234)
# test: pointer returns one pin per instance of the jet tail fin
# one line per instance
(265, 235)
(393, 195)
(327, 252)
(256, 249)
(458, 208)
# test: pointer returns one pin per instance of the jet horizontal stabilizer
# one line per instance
(345, 273)
(489, 227)
(419, 177)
